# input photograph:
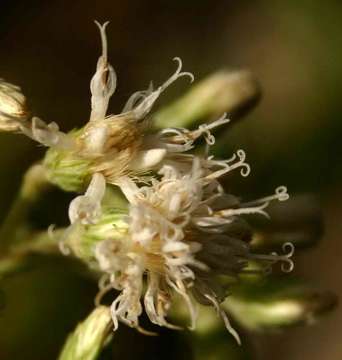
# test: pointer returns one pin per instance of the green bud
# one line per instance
(230, 92)
(13, 110)
(89, 338)
(277, 303)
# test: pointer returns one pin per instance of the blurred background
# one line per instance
(293, 47)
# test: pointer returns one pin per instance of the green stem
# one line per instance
(33, 186)
(16, 259)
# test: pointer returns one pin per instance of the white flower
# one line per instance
(183, 231)
(114, 146)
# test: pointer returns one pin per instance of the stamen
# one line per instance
(280, 195)
(103, 83)
(227, 165)
(177, 75)
(145, 106)
(181, 139)
(204, 130)
(287, 263)
(241, 163)
(176, 139)
(102, 29)
(243, 211)
(136, 97)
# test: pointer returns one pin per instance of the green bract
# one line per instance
(66, 170)
(83, 239)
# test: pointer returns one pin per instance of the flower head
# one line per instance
(181, 234)
(112, 145)
(13, 110)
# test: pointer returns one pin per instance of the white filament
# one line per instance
(103, 83)
(146, 104)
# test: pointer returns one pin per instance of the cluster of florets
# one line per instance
(181, 232)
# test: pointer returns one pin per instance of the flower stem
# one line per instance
(34, 184)
(16, 259)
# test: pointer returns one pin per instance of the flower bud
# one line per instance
(89, 338)
(233, 93)
(12, 107)
(277, 303)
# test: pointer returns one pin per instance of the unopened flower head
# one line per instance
(13, 110)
